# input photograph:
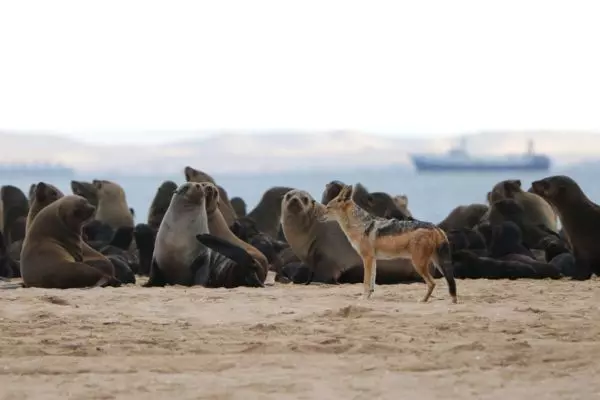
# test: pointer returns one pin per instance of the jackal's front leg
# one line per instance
(370, 272)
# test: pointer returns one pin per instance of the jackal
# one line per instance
(376, 238)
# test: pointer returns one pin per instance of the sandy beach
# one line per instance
(505, 339)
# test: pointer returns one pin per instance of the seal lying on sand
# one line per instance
(323, 247)
(179, 258)
(52, 256)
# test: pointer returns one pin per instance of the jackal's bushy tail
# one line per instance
(444, 260)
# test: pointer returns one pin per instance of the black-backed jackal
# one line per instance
(376, 238)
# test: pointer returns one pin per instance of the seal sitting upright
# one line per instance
(179, 258)
(52, 254)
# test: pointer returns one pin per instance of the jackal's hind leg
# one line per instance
(420, 262)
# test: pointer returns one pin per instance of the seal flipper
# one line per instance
(236, 254)
(201, 269)
(122, 238)
(228, 249)
(156, 277)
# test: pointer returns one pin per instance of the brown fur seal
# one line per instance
(218, 227)
(376, 203)
(180, 256)
(15, 207)
(324, 248)
(239, 206)
(537, 210)
(87, 190)
(401, 201)
(193, 175)
(160, 203)
(580, 218)
(464, 217)
(267, 213)
(52, 255)
(112, 205)
(42, 195)
(46, 194)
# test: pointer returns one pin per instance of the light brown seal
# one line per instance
(194, 175)
(52, 251)
(87, 190)
(112, 205)
(537, 210)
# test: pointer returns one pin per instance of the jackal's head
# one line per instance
(339, 205)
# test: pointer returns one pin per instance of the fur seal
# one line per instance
(179, 257)
(218, 227)
(15, 207)
(510, 210)
(45, 194)
(194, 175)
(580, 218)
(239, 206)
(537, 210)
(52, 251)
(144, 241)
(462, 217)
(401, 201)
(42, 194)
(267, 213)
(87, 190)
(324, 249)
(469, 265)
(160, 203)
(112, 205)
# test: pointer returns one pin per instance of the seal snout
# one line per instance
(540, 187)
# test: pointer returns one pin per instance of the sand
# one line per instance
(505, 339)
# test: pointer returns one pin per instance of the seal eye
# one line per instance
(305, 200)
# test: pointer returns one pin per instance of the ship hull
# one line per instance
(537, 164)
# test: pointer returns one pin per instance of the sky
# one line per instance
(125, 70)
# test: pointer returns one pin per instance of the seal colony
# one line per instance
(195, 235)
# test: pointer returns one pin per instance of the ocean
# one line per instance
(431, 196)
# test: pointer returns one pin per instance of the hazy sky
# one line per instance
(395, 67)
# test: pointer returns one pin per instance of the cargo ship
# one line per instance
(35, 170)
(458, 159)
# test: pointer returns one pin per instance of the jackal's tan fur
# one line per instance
(378, 238)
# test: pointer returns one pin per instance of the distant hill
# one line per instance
(234, 152)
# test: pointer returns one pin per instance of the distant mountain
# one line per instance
(233, 152)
